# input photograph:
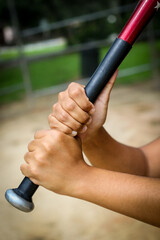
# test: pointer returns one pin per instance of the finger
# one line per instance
(28, 157)
(111, 82)
(55, 124)
(105, 94)
(64, 117)
(32, 146)
(40, 134)
(73, 109)
(77, 93)
(25, 169)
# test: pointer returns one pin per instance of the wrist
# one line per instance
(81, 184)
(93, 138)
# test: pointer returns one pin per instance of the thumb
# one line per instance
(105, 94)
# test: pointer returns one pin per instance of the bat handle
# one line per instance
(21, 197)
(116, 54)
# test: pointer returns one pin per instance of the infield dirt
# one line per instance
(133, 119)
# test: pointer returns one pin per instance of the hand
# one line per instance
(54, 160)
(74, 113)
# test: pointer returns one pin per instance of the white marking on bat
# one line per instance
(157, 6)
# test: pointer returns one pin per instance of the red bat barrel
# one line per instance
(121, 46)
(21, 197)
(138, 20)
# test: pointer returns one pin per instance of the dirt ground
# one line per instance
(133, 118)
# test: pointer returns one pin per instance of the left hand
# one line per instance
(54, 160)
(74, 114)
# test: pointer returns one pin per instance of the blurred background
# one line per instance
(47, 43)
(44, 45)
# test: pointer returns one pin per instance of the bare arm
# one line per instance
(134, 196)
(65, 173)
(105, 152)
(152, 154)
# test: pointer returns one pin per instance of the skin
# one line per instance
(122, 178)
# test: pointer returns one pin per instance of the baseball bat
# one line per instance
(21, 197)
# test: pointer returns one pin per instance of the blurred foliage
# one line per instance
(32, 12)
(65, 68)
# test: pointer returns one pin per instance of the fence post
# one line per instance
(89, 61)
(23, 61)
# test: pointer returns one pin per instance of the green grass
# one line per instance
(10, 77)
(62, 69)
(54, 71)
(11, 54)
(43, 74)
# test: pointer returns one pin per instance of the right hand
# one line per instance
(74, 114)
(49, 162)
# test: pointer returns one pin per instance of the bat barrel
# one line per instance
(143, 13)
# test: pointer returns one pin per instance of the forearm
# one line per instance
(105, 152)
(134, 196)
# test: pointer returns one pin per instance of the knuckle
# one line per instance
(54, 107)
(77, 126)
(47, 148)
(63, 116)
(36, 156)
(72, 85)
(84, 118)
(34, 171)
(89, 105)
(39, 158)
(51, 121)
(41, 161)
(40, 134)
(64, 129)
(67, 130)
(70, 106)
(75, 90)
(61, 95)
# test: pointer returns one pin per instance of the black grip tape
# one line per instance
(107, 67)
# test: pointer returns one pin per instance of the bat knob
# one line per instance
(17, 200)
(21, 197)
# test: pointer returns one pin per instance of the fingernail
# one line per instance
(84, 129)
(92, 111)
(74, 133)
